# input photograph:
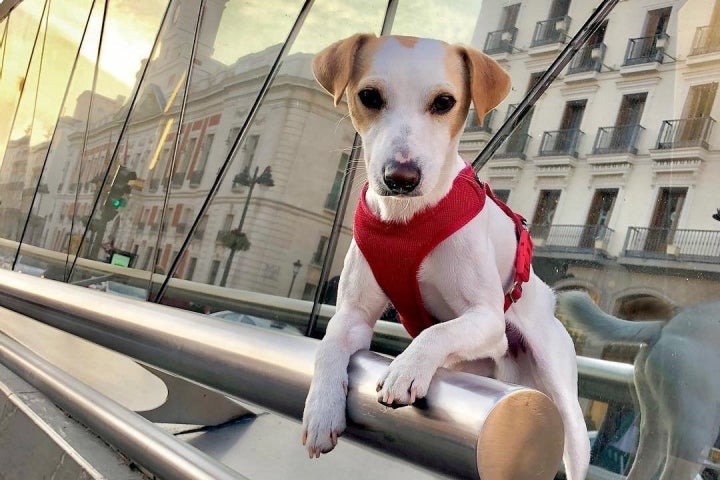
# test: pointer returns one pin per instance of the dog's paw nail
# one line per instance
(334, 438)
(378, 387)
(304, 437)
(345, 388)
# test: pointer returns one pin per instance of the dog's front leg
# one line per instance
(360, 303)
(478, 333)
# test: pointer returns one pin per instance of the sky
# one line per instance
(246, 26)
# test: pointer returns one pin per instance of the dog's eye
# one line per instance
(442, 104)
(371, 98)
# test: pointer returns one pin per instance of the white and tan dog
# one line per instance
(408, 99)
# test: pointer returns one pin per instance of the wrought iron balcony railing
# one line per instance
(514, 146)
(154, 184)
(645, 49)
(472, 124)
(552, 30)
(617, 139)
(706, 40)
(560, 142)
(181, 228)
(685, 132)
(572, 238)
(500, 41)
(588, 59)
(668, 243)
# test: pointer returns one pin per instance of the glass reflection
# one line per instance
(614, 167)
(266, 228)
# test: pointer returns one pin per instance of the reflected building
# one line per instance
(176, 167)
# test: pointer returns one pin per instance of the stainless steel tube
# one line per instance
(149, 446)
(468, 427)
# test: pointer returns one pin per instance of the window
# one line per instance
(317, 257)
(332, 199)
(598, 217)
(248, 149)
(544, 212)
(214, 268)
(190, 272)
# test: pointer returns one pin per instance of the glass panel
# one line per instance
(83, 141)
(18, 84)
(265, 225)
(622, 206)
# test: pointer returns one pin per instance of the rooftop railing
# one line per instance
(617, 139)
(685, 132)
(479, 424)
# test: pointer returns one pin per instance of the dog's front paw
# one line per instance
(406, 379)
(324, 418)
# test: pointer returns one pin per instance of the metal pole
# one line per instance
(231, 255)
(467, 427)
(142, 441)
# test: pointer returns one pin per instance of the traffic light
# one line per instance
(119, 189)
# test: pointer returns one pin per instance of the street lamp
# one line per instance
(237, 240)
(296, 269)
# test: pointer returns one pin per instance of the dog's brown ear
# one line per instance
(333, 66)
(489, 82)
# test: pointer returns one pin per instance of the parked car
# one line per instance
(257, 321)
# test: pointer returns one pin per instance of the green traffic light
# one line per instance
(119, 202)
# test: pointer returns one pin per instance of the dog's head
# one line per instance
(409, 98)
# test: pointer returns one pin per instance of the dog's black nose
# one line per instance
(401, 177)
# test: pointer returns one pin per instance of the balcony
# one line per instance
(514, 146)
(550, 31)
(500, 41)
(589, 59)
(618, 139)
(700, 246)
(560, 143)
(472, 125)
(571, 239)
(706, 41)
(154, 184)
(198, 234)
(643, 50)
(686, 132)
(181, 228)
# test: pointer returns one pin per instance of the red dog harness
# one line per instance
(395, 250)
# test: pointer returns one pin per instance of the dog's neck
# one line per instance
(402, 209)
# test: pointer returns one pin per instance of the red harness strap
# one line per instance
(523, 256)
(395, 251)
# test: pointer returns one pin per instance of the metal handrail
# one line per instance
(477, 423)
(161, 453)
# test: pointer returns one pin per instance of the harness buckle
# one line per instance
(515, 292)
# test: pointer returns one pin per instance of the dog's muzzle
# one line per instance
(401, 178)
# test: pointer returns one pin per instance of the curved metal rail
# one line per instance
(153, 448)
(468, 426)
